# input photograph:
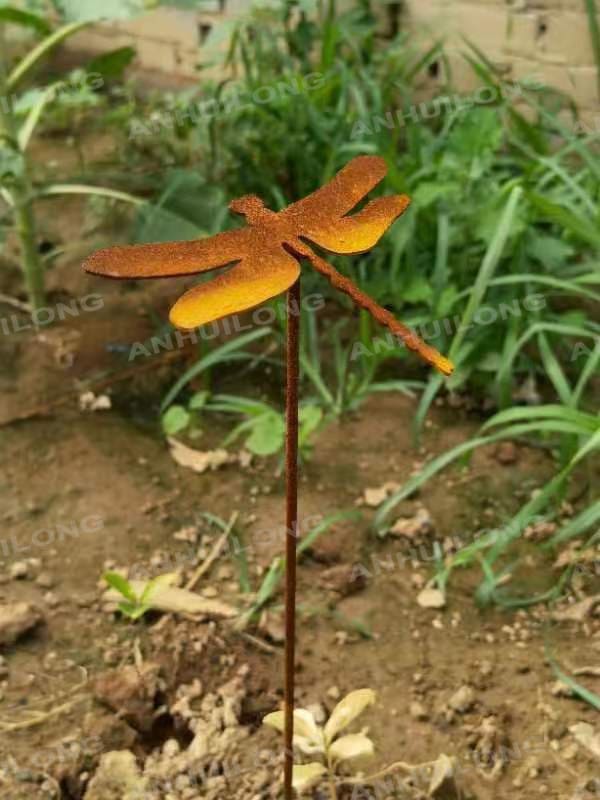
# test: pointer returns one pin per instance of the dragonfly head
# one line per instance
(251, 206)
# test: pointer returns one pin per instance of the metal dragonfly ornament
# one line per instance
(266, 257)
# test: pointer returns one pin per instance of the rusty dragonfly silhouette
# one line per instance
(268, 250)
(265, 258)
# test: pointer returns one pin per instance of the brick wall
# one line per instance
(545, 39)
(168, 41)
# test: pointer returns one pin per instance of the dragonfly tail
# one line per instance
(384, 317)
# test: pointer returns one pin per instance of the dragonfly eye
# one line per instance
(251, 206)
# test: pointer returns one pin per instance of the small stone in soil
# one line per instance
(506, 453)
(462, 700)
(51, 600)
(420, 524)
(17, 619)
(45, 580)
(19, 570)
(345, 579)
(418, 711)
(431, 598)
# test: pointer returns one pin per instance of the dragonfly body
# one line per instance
(266, 253)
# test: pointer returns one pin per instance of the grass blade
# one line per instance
(575, 527)
(585, 694)
(41, 51)
(226, 352)
(489, 264)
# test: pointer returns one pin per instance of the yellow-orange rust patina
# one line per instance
(266, 253)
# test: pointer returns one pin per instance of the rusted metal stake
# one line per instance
(291, 525)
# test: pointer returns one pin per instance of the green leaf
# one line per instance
(121, 585)
(486, 272)
(174, 420)
(309, 417)
(533, 330)
(28, 127)
(230, 351)
(92, 191)
(427, 193)
(25, 19)
(580, 691)
(583, 229)
(198, 401)
(129, 609)
(554, 370)
(447, 299)
(549, 251)
(576, 527)
(418, 290)
(587, 423)
(157, 224)
(113, 63)
(268, 433)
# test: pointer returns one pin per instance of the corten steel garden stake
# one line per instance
(291, 522)
(266, 255)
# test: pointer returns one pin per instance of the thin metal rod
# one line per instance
(291, 526)
(382, 315)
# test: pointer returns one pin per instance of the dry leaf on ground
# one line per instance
(178, 601)
(200, 461)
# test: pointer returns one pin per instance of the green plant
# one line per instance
(19, 119)
(591, 698)
(353, 376)
(461, 159)
(264, 426)
(135, 606)
(177, 417)
(574, 437)
(230, 351)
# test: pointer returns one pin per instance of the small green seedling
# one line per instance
(312, 739)
(135, 606)
(177, 417)
(264, 426)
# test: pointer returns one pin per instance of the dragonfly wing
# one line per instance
(360, 232)
(172, 258)
(258, 278)
(343, 191)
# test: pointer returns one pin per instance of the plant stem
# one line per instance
(331, 778)
(22, 193)
(332, 789)
(291, 526)
(592, 12)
